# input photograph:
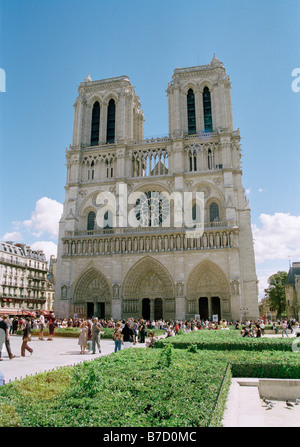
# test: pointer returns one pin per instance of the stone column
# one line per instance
(152, 308)
(103, 123)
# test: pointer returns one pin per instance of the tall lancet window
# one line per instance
(111, 122)
(191, 112)
(214, 215)
(208, 126)
(95, 124)
(91, 221)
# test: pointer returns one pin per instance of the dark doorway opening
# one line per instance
(101, 310)
(90, 310)
(216, 306)
(146, 308)
(203, 308)
(158, 309)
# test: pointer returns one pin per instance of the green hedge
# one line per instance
(132, 388)
(225, 340)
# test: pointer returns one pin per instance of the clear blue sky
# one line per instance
(49, 46)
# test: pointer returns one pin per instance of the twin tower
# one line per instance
(142, 262)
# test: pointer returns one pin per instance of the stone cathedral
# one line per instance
(141, 263)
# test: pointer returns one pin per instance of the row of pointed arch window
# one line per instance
(153, 217)
(111, 123)
(191, 111)
(111, 117)
(109, 170)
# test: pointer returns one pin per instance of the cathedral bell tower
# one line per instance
(107, 112)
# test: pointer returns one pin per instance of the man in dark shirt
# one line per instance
(4, 325)
(127, 333)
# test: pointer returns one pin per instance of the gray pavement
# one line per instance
(245, 406)
(48, 355)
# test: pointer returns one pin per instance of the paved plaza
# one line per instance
(47, 355)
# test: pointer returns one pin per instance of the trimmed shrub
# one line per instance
(223, 340)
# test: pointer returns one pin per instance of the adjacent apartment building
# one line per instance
(24, 286)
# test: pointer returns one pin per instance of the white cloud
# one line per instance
(278, 238)
(44, 219)
(48, 247)
(15, 236)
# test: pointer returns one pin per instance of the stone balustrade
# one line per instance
(155, 241)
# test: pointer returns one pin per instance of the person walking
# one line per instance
(83, 336)
(118, 336)
(96, 330)
(26, 335)
(4, 336)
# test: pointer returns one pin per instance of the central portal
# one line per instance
(148, 291)
(152, 308)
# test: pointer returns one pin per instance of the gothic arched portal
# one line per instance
(92, 295)
(148, 289)
(208, 291)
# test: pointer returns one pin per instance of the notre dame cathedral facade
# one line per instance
(141, 262)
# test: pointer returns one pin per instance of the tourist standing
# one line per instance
(142, 331)
(51, 326)
(83, 336)
(96, 329)
(127, 333)
(15, 325)
(118, 336)
(284, 328)
(41, 327)
(26, 335)
(135, 327)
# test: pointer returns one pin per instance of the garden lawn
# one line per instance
(132, 388)
(140, 387)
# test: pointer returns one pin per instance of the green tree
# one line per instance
(276, 292)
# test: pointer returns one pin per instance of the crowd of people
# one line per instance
(257, 328)
(125, 332)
